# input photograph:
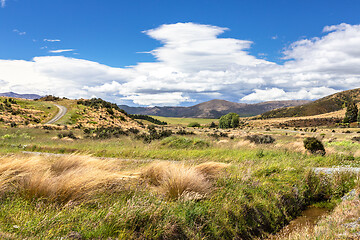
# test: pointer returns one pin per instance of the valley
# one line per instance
(98, 171)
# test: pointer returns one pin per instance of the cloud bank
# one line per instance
(193, 64)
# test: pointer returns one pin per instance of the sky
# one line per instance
(180, 53)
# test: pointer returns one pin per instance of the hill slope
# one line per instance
(212, 109)
(327, 104)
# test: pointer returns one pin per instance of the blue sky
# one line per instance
(243, 51)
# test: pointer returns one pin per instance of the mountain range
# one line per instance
(17, 95)
(213, 109)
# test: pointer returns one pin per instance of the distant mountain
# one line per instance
(327, 104)
(17, 95)
(213, 109)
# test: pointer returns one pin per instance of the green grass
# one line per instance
(186, 121)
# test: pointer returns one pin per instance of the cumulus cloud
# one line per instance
(61, 50)
(194, 63)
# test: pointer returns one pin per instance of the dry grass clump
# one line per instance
(211, 169)
(57, 178)
(176, 180)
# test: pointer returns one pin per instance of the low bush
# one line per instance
(184, 132)
(104, 133)
(356, 139)
(314, 145)
(194, 124)
(67, 134)
(260, 139)
(154, 134)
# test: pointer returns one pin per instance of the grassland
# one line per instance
(186, 121)
(22, 111)
(183, 187)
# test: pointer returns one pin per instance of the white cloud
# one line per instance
(51, 40)
(280, 94)
(16, 30)
(2, 3)
(194, 63)
(61, 50)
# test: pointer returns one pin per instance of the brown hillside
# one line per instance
(327, 104)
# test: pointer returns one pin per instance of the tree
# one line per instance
(351, 114)
(230, 120)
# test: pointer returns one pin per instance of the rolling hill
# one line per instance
(323, 105)
(212, 109)
(17, 95)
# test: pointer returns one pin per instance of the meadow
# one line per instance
(186, 121)
(212, 184)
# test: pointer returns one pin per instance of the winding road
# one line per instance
(60, 114)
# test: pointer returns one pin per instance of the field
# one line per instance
(199, 183)
(186, 121)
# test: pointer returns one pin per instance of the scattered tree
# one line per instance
(351, 114)
(230, 120)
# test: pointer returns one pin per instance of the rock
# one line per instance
(74, 235)
(350, 195)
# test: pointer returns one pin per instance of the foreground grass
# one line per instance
(248, 192)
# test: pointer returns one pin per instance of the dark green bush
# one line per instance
(314, 145)
(67, 134)
(260, 139)
(104, 133)
(194, 124)
(184, 132)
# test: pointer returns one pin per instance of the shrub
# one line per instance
(103, 133)
(314, 145)
(154, 134)
(230, 120)
(184, 132)
(260, 139)
(194, 124)
(134, 130)
(213, 125)
(67, 134)
(356, 139)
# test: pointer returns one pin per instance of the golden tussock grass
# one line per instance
(76, 177)
(176, 180)
(61, 179)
